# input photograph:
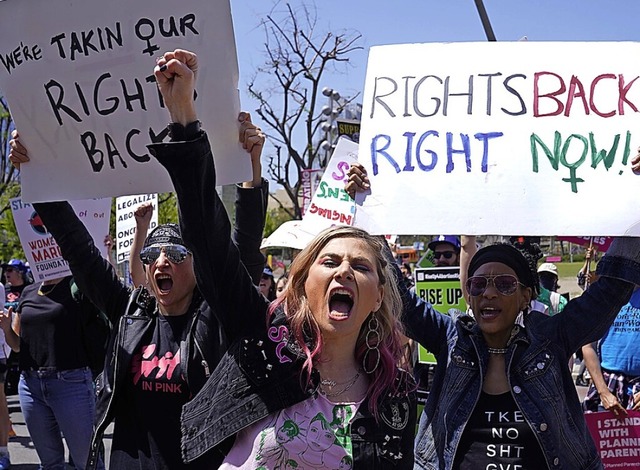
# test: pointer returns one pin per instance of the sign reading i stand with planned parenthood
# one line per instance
(79, 80)
(501, 138)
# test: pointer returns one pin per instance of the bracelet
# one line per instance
(180, 133)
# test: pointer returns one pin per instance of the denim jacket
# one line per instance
(260, 373)
(536, 367)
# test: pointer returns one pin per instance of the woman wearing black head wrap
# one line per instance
(502, 394)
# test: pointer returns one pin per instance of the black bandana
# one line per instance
(165, 234)
(505, 254)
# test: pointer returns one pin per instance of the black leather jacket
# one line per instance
(133, 314)
(260, 374)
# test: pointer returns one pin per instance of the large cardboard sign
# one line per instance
(126, 222)
(40, 248)
(501, 138)
(617, 441)
(79, 80)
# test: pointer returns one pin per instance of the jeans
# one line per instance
(56, 403)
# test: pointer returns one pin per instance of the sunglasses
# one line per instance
(446, 254)
(174, 253)
(505, 284)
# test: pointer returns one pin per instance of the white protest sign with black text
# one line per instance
(126, 222)
(40, 248)
(501, 138)
(79, 80)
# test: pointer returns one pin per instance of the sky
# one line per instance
(419, 21)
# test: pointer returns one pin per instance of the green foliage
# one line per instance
(167, 208)
(275, 218)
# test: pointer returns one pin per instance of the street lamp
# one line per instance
(330, 112)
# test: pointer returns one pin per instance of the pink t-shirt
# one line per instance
(313, 434)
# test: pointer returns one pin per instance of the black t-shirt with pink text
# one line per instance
(497, 436)
(148, 428)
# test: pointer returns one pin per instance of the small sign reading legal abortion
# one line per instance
(40, 248)
(501, 138)
(126, 222)
(79, 80)
(331, 204)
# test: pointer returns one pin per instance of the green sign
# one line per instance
(441, 288)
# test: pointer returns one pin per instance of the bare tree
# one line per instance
(9, 188)
(286, 87)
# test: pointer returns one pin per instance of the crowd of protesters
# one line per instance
(210, 362)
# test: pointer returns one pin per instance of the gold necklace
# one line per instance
(49, 290)
(332, 383)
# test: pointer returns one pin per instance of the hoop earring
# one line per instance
(373, 331)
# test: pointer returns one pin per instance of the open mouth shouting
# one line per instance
(340, 303)
(489, 313)
(164, 282)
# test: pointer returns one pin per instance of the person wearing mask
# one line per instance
(310, 380)
(166, 337)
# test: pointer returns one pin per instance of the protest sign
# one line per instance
(349, 129)
(331, 205)
(41, 250)
(599, 243)
(310, 181)
(440, 286)
(617, 441)
(126, 222)
(501, 138)
(79, 80)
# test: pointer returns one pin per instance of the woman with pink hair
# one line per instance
(332, 340)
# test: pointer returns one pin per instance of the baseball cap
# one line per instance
(450, 239)
(548, 268)
(267, 271)
(16, 263)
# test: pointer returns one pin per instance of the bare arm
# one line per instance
(609, 400)
(468, 248)
(10, 325)
(143, 214)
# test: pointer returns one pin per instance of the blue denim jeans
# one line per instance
(56, 403)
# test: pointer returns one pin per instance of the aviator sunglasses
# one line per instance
(506, 284)
(174, 253)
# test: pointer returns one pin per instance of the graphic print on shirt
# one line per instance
(497, 437)
(315, 437)
(158, 373)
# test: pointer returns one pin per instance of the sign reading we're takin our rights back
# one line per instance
(78, 76)
(533, 138)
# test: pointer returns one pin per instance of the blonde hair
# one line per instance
(307, 332)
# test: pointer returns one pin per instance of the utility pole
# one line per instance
(486, 24)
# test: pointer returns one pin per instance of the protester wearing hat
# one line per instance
(163, 346)
(15, 273)
(500, 385)
(446, 250)
(267, 284)
(548, 275)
